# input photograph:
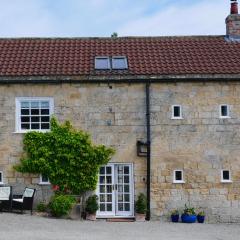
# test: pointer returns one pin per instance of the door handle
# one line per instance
(113, 187)
(116, 187)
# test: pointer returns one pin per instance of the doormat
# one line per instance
(120, 220)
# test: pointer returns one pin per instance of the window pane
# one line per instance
(119, 63)
(35, 111)
(226, 175)
(127, 206)
(35, 119)
(45, 119)
(25, 119)
(25, 111)
(102, 170)
(178, 175)
(44, 104)
(126, 188)
(102, 63)
(102, 198)
(176, 111)
(126, 170)
(109, 179)
(120, 197)
(109, 198)
(102, 207)
(120, 207)
(126, 198)
(102, 179)
(109, 207)
(126, 179)
(45, 126)
(102, 188)
(34, 104)
(24, 104)
(109, 188)
(35, 126)
(224, 111)
(45, 111)
(25, 126)
(109, 170)
(45, 178)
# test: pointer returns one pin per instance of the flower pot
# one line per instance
(139, 217)
(175, 218)
(188, 218)
(201, 219)
(91, 216)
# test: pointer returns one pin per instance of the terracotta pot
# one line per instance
(91, 216)
(140, 217)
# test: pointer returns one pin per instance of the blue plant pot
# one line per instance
(175, 218)
(201, 219)
(188, 218)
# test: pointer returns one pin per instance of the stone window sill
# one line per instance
(226, 181)
(178, 182)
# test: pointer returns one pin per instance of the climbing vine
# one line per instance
(66, 155)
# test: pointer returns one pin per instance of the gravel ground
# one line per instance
(26, 227)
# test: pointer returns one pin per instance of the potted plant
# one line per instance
(91, 207)
(201, 217)
(141, 208)
(189, 215)
(175, 215)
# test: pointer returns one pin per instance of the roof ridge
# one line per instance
(110, 38)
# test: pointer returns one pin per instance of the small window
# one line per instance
(225, 176)
(178, 176)
(102, 63)
(33, 114)
(1, 177)
(176, 112)
(224, 111)
(119, 63)
(44, 180)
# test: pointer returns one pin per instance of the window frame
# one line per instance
(18, 101)
(1, 178)
(41, 182)
(180, 107)
(102, 57)
(220, 111)
(119, 57)
(225, 180)
(174, 176)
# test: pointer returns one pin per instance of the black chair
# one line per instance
(6, 198)
(25, 201)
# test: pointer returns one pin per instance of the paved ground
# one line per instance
(26, 227)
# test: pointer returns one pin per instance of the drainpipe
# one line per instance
(148, 150)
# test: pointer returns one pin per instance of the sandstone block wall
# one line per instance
(200, 144)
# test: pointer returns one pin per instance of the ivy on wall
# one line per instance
(66, 155)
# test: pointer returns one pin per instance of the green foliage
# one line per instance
(42, 207)
(67, 156)
(174, 212)
(92, 204)
(60, 205)
(141, 204)
(189, 210)
(202, 213)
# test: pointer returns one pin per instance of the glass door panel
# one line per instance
(105, 191)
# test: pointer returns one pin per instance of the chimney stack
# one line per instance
(233, 22)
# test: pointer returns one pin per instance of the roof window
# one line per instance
(119, 63)
(102, 63)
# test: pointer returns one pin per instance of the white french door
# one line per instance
(115, 190)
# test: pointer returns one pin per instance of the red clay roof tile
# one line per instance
(146, 56)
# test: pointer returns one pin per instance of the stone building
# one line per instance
(170, 106)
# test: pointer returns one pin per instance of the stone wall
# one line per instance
(201, 144)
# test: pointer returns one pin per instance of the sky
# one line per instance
(100, 18)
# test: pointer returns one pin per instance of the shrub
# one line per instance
(66, 155)
(92, 204)
(42, 207)
(174, 212)
(60, 205)
(189, 210)
(141, 204)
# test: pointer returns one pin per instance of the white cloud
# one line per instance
(72, 18)
(203, 18)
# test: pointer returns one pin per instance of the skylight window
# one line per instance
(119, 63)
(102, 63)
